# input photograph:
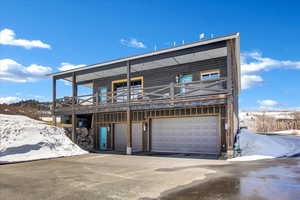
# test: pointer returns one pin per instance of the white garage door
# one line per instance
(186, 135)
(121, 137)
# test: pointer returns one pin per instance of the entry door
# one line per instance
(102, 95)
(121, 137)
(185, 79)
(103, 138)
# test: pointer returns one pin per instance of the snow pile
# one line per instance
(255, 146)
(23, 139)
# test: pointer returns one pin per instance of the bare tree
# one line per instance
(265, 123)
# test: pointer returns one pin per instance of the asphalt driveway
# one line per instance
(109, 176)
(100, 176)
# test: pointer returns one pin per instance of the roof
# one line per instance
(187, 53)
(162, 51)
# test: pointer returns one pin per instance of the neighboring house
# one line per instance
(183, 99)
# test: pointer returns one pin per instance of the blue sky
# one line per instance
(76, 32)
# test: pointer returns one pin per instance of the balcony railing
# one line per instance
(172, 92)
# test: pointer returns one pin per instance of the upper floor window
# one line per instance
(185, 79)
(120, 89)
(210, 74)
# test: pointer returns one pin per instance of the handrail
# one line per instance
(170, 91)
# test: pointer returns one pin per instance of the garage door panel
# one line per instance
(186, 135)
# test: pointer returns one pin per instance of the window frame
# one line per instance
(141, 78)
(205, 72)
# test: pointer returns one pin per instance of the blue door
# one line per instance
(103, 138)
(102, 95)
(185, 79)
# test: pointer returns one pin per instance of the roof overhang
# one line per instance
(157, 59)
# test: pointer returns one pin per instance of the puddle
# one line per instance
(264, 180)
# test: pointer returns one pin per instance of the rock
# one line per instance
(84, 137)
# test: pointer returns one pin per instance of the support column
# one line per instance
(54, 100)
(74, 126)
(229, 126)
(74, 98)
(229, 107)
(129, 120)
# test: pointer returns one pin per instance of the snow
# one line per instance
(24, 139)
(256, 146)
(287, 132)
(246, 115)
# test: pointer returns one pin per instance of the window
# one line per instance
(120, 89)
(185, 79)
(210, 75)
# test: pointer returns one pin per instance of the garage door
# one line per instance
(121, 137)
(186, 135)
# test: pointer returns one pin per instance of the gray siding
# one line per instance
(166, 75)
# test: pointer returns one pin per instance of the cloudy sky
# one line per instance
(40, 37)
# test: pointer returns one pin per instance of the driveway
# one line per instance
(100, 176)
(108, 176)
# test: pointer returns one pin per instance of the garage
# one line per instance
(121, 137)
(186, 135)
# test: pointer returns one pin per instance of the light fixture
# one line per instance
(177, 78)
(145, 127)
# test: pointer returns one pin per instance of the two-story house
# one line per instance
(182, 99)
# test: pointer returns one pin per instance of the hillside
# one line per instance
(30, 108)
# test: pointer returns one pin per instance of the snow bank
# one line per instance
(257, 146)
(23, 139)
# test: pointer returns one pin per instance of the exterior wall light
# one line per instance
(145, 127)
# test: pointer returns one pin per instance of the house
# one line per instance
(181, 99)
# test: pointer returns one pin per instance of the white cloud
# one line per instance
(67, 66)
(12, 71)
(253, 63)
(269, 104)
(7, 37)
(9, 100)
(132, 42)
(248, 81)
(201, 36)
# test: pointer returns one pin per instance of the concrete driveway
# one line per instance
(102, 176)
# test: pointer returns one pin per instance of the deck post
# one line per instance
(74, 95)
(74, 90)
(54, 100)
(172, 90)
(129, 120)
(229, 127)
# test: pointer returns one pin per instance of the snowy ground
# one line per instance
(287, 132)
(23, 139)
(256, 146)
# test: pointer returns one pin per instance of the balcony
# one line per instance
(148, 96)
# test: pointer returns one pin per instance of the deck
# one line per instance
(205, 92)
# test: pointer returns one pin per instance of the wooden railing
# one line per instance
(172, 92)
